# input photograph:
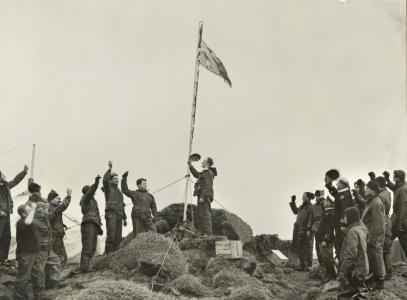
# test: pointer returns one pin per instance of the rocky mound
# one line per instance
(223, 222)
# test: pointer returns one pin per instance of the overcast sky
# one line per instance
(317, 84)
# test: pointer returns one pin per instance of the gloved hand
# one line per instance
(293, 198)
(125, 174)
(97, 179)
(386, 175)
(372, 175)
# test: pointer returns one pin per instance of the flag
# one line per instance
(209, 60)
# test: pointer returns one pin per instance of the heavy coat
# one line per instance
(374, 218)
(89, 206)
(113, 196)
(399, 217)
(6, 202)
(144, 204)
(353, 256)
(204, 185)
(315, 216)
(55, 217)
(303, 213)
(343, 200)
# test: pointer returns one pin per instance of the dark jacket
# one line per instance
(374, 218)
(353, 256)
(113, 196)
(385, 196)
(44, 225)
(204, 185)
(6, 202)
(327, 226)
(343, 200)
(143, 202)
(400, 207)
(55, 217)
(89, 206)
(315, 216)
(302, 213)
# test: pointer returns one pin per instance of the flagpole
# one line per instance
(31, 179)
(193, 112)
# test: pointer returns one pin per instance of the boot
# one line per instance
(379, 283)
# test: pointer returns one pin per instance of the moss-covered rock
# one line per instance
(246, 293)
(231, 277)
(191, 285)
(196, 260)
(110, 290)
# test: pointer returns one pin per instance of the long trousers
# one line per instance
(23, 286)
(376, 262)
(204, 217)
(89, 232)
(142, 225)
(5, 237)
(113, 231)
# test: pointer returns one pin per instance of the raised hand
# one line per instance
(110, 164)
(69, 192)
(97, 178)
(293, 198)
(25, 168)
(125, 174)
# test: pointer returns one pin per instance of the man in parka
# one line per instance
(144, 212)
(343, 200)
(204, 192)
(353, 260)
(303, 245)
(91, 225)
(314, 223)
(326, 235)
(6, 209)
(399, 217)
(115, 214)
(55, 211)
(385, 196)
(374, 218)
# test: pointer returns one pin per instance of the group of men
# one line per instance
(357, 224)
(40, 252)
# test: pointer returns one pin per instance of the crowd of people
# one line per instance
(40, 231)
(353, 231)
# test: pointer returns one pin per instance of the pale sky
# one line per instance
(317, 84)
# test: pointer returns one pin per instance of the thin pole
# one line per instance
(31, 179)
(193, 112)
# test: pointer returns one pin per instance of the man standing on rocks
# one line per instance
(91, 224)
(6, 209)
(56, 209)
(399, 217)
(314, 224)
(303, 213)
(204, 191)
(375, 220)
(343, 200)
(114, 208)
(353, 260)
(144, 212)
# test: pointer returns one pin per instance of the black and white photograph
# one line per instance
(185, 150)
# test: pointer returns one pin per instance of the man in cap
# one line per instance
(144, 212)
(374, 218)
(343, 200)
(304, 240)
(359, 193)
(6, 209)
(91, 225)
(114, 208)
(353, 259)
(399, 217)
(326, 236)
(55, 211)
(385, 196)
(314, 223)
(204, 192)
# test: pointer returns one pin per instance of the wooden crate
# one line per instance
(229, 249)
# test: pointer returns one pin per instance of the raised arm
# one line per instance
(30, 217)
(91, 192)
(193, 171)
(106, 181)
(20, 176)
(61, 207)
(125, 187)
(293, 205)
(390, 184)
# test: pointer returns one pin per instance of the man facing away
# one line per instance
(144, 212)
(375, 220)
(399, 217)
(56, 208)
(314, 223)
(115, 215)
(28, 246)
(6, 209)
(353, 260)
(91, 225)
(204, 192)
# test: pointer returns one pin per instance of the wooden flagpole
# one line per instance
(31, 179)
(193, 113)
